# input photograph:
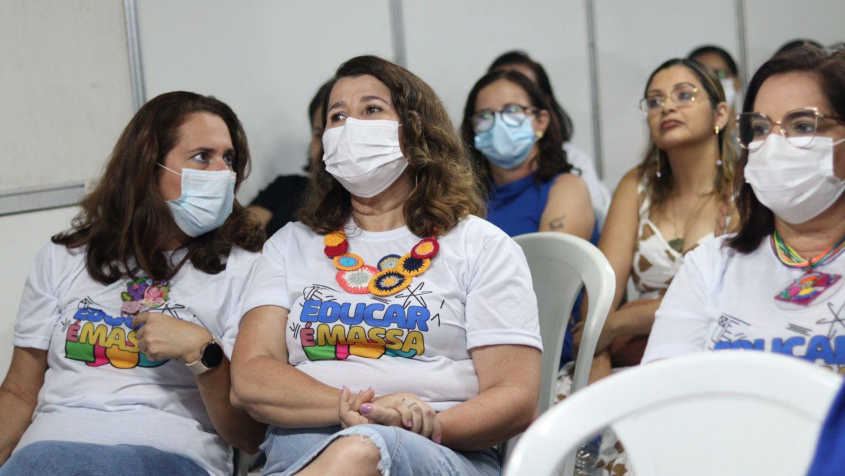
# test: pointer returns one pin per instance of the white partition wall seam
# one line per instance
(742, 42)
(397, 27)
(594, 86)
(133, 43)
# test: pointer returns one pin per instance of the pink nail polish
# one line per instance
(409, 423)
(437, 439)
(366, 408)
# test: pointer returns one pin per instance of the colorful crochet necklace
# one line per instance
(392, 274)
(805, 289)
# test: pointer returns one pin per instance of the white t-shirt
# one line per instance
(98, 388)
(723, 299)
(599, 194)
(476, 292)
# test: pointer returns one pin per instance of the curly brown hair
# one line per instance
(446, 185)
(125, 223)
(659, 189)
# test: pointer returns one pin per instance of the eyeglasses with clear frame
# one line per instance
(799, 127)
(682, 95)
(511, 114)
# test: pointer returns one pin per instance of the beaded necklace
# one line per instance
(392, 274)
(803, 290)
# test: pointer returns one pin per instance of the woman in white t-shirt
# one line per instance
(122, 335)
(776, 285)
(389, 330)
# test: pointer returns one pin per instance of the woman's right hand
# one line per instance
(404, 410)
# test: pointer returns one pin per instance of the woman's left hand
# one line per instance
(165, 337)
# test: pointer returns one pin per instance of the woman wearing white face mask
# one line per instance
(389, 330)
(776, 285)
(126, 320)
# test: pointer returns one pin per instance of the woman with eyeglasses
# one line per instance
(776, 285)
(518, 146)
(678, 198)
(579, 160)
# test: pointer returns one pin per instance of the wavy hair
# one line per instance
(756, 221)
(125, 223)
(660, 188)
(446, 186)
(551, 159)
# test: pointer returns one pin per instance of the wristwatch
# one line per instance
(211, 356)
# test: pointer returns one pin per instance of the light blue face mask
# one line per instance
(504, 145)
(206, 201)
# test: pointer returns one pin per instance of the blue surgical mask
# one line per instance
(504, 145)
(206, 201)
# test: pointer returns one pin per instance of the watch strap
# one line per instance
(197, 366)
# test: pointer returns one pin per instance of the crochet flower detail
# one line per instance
(348, 262)
(388, 262)
(411, 266)
(356, 281)
(388, 282)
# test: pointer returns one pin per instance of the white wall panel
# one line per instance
(266, 59)
(21, 237)
(771, 23)
(64, 89)
(451, 43)
(633, 39)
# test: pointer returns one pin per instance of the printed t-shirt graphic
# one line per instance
(97, 338)
(723, 299)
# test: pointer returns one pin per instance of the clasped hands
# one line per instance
(405, 410)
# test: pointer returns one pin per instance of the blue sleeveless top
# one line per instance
(516, 208)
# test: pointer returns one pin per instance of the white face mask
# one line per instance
(730, 91)
(206, 201)
(364, 156)
(797, 185)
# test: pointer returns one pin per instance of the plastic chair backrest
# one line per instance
(726, 413)
(560, 265)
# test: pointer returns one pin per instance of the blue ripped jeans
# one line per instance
(403, 453)
(68, 458)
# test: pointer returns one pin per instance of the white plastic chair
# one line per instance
(726, 413)
(560, 266)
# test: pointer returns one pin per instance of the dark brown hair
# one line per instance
(756, 221)
(660, 188)
(521, 58)
(446, 187)
(125, 224)
(551, 159)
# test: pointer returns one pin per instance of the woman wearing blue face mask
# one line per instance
(126, 320)
(775, 285)
(518, 145)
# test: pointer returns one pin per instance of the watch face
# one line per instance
(212, 355)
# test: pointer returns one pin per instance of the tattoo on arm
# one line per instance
(556, 224)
